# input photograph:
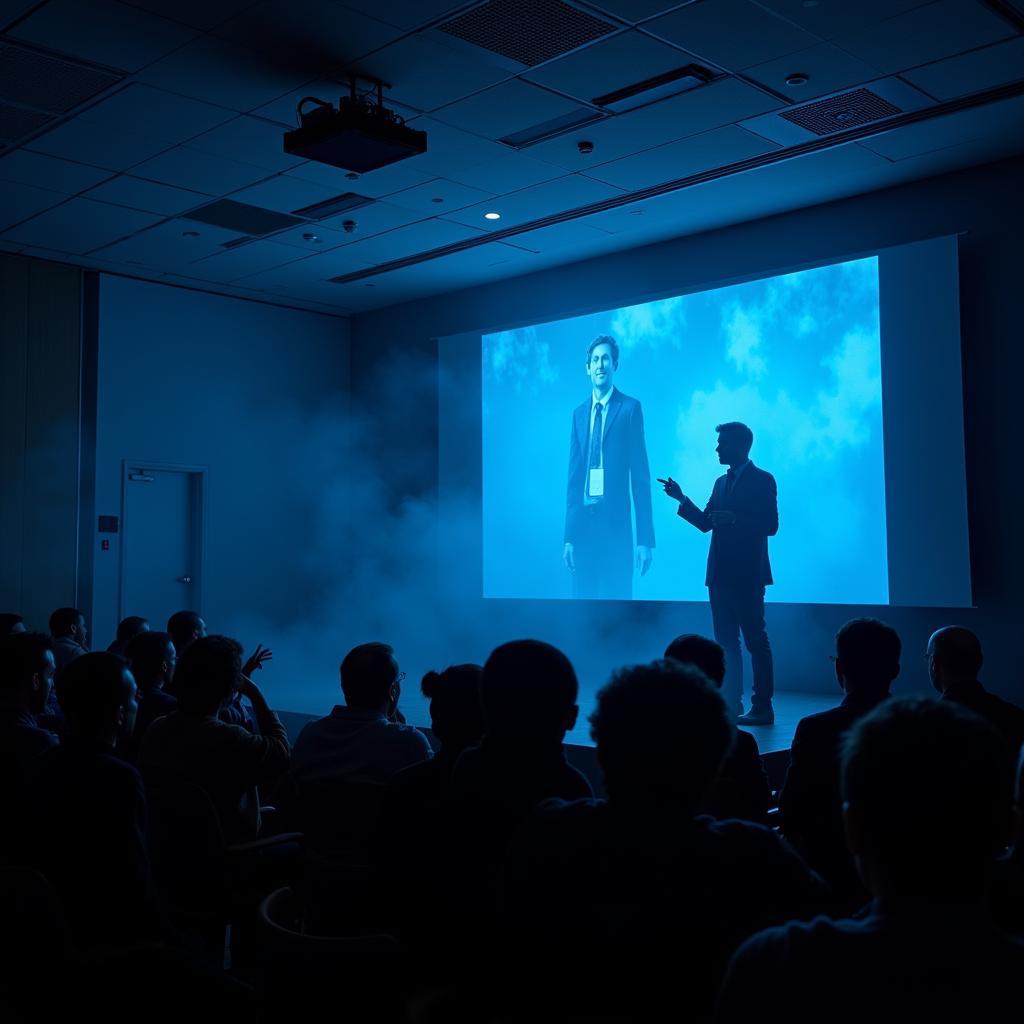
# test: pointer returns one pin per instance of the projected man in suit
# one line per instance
(607, 461)
(741, 514)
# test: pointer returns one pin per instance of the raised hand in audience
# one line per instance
(256, 660)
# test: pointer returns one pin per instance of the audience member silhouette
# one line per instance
(191, 744)
(358, 741)
(741, 789)
(127, 628)
(666, 895)
(70, 635)
(11, 622)
(153, 658)
(412, 803)
(867, 660)
(185, 627)
(954, 661)
(85, 809)
(457, 722)
(26, 679)
(928, 792)
(528, 695)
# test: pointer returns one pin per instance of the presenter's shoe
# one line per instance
(757, 716)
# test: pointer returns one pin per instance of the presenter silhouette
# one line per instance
(741, 514)
(607, 463)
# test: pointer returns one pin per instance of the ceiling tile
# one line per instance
(200, 14)
(171, 244)
(19, 201)
(405, 13)
(550, 197)
(103, 31)
(1004, 120)
(137, 194)
(251, 258)
(453, 197)
(715, 148)
(425, 74)
(226, 73)
(830, 18)
(371, 220)
(159, 114)
(406, 241)
(634, 10)
(284, 194)
(101, 145)
(828, 69)
(735, 34)
(577, 235)
(506, 108)
(80, 225)
(201, 172)
(49, 172)
(319, 35)
(925, 34)
(323, 240)
(718, 103)
(972, 72)
(609, 64)
(307, 277)
(249, 140)
(512, 171)
(450, 149)
(381, 182)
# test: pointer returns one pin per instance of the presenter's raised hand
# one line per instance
(672, 489)
(568, 557)
(643, 559)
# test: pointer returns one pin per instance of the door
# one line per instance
(162, 549)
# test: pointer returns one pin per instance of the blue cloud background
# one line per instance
(796, 357)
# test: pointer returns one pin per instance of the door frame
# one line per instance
(202, 473)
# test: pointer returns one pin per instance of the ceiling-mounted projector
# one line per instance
(360, 134)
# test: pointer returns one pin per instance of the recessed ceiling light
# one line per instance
(797, 78)
(352, 175)
(437, 199)
(492, 216)
(190, 234)
(310, 237)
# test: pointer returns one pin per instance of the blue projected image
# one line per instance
(795, 357)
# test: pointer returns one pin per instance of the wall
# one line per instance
(45, 438)
(987, 205)
(188, 378)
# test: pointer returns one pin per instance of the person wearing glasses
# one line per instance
(607, 463)
(365, 740)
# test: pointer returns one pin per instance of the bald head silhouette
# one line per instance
(954, 656)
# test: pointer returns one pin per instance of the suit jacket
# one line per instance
(810, 797)
(739, 553)
(625, 469)
(1006, 718)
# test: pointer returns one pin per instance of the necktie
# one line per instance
(595, 439)
(594, 462)
(730, 482)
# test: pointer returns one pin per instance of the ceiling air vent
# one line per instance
(54, 84)
(549, 129)
(17, 122)
(527, 31)
(241, 217)
(329, 207)
(838, 113)
(37, 88)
